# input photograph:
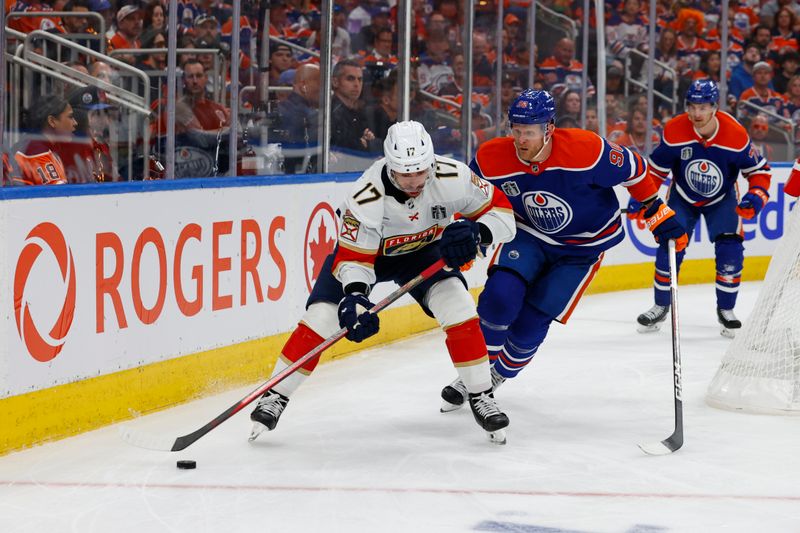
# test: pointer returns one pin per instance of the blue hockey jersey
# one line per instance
(567, 201)
(705, 170)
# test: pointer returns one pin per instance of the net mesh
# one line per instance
(760, 372)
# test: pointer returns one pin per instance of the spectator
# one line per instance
(358, 18)
(206, 28)
(209, 115)
(761, 93)
(735, 37)
(76, 24)
(742, 74)
(791, 109)
(87, 159)
(770, 8)
(667, 52)
(296, 120)
(762, 37)
(569, 104)
(434, 70)
(280, 60)
(129, 29)
(626, 30)
(709, 67)
(562, 71)
(105, 72)
(29, 24)
(690, 47)
(50, 122)
(784, 37)
(384, 113)
(381, 48)
(615, 81)
(788, 64)
(154, 64)
(759, 130)
(349, 128)
(279, 24)
(365, 37)
(592, 122)
(512, 25)
(341, 38)
(483, 60)
(154, 16)
(635, 134)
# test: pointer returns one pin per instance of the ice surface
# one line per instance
(362, 447)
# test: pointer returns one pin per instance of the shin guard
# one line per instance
(468, 353)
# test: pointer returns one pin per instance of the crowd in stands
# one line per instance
(283, 104)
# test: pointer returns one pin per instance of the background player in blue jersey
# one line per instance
(560, 185)
(705, 149)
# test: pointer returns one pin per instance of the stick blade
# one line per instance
(665, 447)
(145, 440)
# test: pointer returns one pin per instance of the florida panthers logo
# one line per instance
(704, 177)
(547, 212)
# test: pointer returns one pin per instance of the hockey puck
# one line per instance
(187, 464)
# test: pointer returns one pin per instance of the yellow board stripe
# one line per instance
(67, 410)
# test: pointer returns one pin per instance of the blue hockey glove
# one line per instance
(459, 242)
(661, 221)
(752, 203)
(354, 315)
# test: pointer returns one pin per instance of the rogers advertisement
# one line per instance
(91, 285)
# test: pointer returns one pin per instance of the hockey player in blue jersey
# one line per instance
(560, 185)
(705, 149)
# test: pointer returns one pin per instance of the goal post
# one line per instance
(760, 372)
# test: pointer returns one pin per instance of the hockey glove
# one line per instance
(634, 210)
(459, 242)
(661, 221)
(354, 315)
(752, 203)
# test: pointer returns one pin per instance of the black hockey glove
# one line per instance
(459, 242)
(354, 315)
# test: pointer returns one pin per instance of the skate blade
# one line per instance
(497, 437)
(448, 407)
(729, 333)
(648, 329)
(258, 429)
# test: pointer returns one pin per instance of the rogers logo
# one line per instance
(320, 240)
(44, 347)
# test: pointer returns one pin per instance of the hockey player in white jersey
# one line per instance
(397, 221)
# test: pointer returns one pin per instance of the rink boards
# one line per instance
(121, 299)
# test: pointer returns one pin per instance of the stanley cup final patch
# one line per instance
(350, 227)
(686, 153)
(510, 188)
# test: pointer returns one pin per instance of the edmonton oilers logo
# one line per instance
(704, 177)
(548, 213)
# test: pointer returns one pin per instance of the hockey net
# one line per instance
(760, 372)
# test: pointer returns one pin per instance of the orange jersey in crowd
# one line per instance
(45, 168)
(29, 24)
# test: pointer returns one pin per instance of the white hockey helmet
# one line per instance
(408, 148)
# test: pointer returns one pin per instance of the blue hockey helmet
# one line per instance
(532, 107)
(702, 92)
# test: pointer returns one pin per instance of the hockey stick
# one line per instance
(674, 441)
(168, 444)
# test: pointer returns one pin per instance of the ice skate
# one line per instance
(728, 322)
(651, 319)
(455, 394)
(267, 413)
(489, 416)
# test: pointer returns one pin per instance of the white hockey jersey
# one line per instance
(379, 219)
